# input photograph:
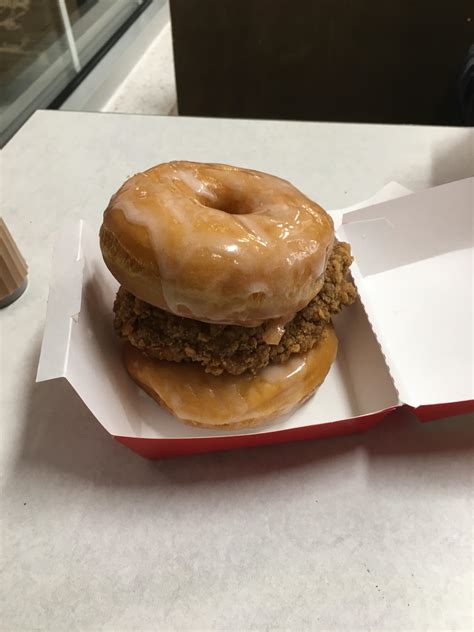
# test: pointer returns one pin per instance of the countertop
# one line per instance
(365, 532)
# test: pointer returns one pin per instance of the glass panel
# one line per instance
(44, 44)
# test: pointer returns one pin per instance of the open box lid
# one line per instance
(414, 271)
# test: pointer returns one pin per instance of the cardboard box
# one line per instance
(408, 341)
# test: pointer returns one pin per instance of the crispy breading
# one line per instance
(231, 348)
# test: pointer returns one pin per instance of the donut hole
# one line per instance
(232, 204)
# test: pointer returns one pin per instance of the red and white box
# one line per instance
(407, 342)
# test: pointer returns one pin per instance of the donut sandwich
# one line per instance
(229, 278)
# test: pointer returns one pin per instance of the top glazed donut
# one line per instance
(216, 243)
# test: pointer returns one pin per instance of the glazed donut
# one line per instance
(232, 401)
(216, 243)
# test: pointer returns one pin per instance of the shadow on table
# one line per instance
(60, 434)
(453, 161)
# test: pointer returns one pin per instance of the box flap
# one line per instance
(390, 191)
(64, 301)
(414, 271)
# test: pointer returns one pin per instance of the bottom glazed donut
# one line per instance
(232, 401)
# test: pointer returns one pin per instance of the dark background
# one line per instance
(330, 60)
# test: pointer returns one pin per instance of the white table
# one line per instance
(372, 531)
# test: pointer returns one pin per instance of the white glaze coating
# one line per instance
(215, 400)
(229, 245)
